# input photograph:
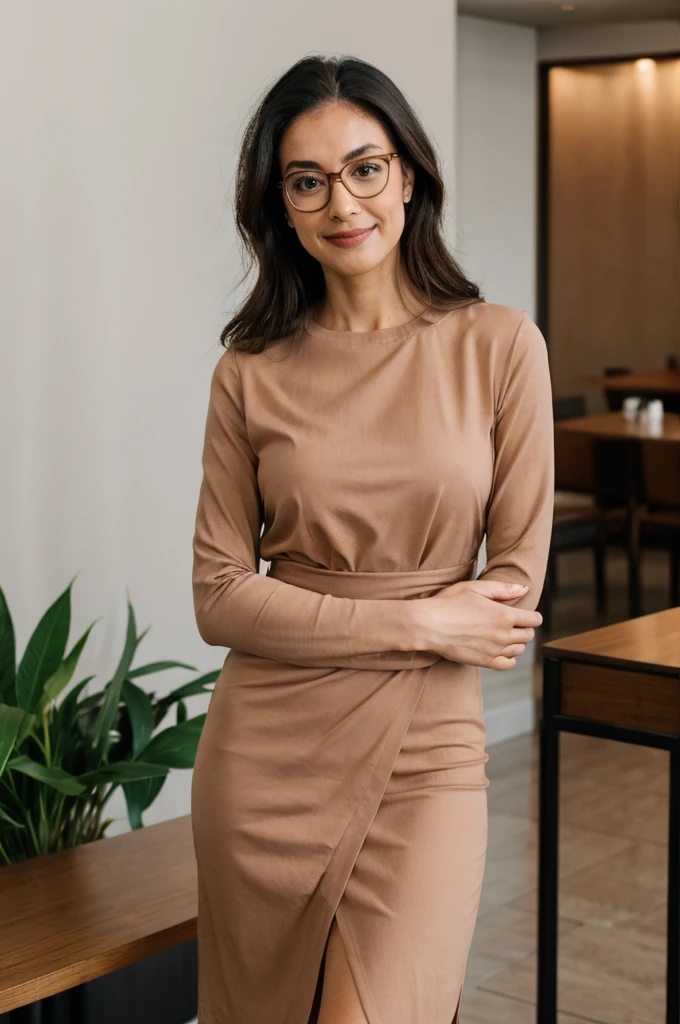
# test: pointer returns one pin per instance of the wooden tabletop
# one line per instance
(650, 642)
(72, 916)
(644, 380)
(612, 424)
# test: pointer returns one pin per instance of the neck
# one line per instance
(366, 303)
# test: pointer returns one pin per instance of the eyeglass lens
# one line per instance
(308, 190)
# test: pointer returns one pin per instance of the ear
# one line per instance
(408, 176)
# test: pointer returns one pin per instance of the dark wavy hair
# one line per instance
(289, 280)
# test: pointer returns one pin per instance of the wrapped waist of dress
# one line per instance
(406, 585)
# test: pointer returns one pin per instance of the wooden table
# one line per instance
(620, 682)
(663, 384)
(72, 916)
(612, 426)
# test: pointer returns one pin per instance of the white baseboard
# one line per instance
(506, 721)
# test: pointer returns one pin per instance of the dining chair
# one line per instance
(619, 494)
(577, 521)
(660, 520)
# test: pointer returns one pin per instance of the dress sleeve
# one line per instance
(520, 508)
(237, 606)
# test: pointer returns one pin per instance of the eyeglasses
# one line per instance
(311, 190)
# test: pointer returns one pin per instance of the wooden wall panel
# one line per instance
(614, 219)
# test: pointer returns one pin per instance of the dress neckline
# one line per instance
(399, 332)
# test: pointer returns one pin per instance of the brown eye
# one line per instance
(369, 168)
(307, 183)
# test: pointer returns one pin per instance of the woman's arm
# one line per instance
(520, 508)
(235, 605)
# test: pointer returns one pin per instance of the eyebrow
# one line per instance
(311, 165)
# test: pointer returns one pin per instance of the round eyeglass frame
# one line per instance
(334, 176)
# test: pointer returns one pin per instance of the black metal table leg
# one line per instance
(548, 845)
(673, 946)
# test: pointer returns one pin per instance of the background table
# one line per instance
(663, 384)
(620, 682)
(612, 426)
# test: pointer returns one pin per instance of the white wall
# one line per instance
(635, 38)
(496, 219)
(496, 204)
(121, 122)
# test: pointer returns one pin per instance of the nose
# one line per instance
(342, 202)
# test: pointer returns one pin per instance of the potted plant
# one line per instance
(61, 760)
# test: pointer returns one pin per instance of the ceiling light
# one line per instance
(568, 7)
(645, 64)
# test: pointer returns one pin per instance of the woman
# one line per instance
(371, 419)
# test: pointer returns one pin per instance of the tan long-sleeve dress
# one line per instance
(338, 772)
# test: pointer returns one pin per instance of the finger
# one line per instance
(498, 590)
(501, 663)
(523, 617)
(521, 636)
(513, 651)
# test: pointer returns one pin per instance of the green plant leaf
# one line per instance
(189, 689)
(107, 712)
(139, 796)
(122, 771)
(7, 654)
(138, 704)
(196, 686)
(44, 652)
(158, 666)
(181, 712)
(26, 727)
(4, 817)
(11, 719)
(176, 746)
(68, 709)
(62, 677)
(51, 776)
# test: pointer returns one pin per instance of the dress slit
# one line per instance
(456, 1019)
(359, 827)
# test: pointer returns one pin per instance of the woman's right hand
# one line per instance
(467, 622)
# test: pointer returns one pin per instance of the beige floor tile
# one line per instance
(656, 920)
(633, 811)
(613, 975)
(512, 859)
(613, 890)
(480, 1007)
(502, 937)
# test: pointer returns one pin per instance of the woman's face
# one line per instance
(327, 136)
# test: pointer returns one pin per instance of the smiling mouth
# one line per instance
(347, 238)
(349, 234)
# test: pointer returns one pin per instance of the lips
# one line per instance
(346, 239)
(350, 234)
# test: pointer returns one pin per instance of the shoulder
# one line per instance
(226, 388)
(504, 335)
(226, 370)
(505, 344)
(502, 327)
